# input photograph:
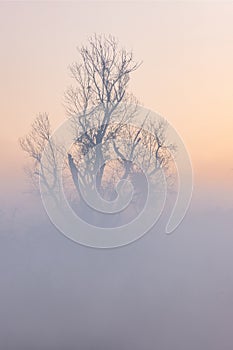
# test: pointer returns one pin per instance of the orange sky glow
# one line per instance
(186, 76)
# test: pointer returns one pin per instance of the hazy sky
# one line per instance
(187, 71)
(164, 291)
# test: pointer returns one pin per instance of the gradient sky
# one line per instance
(187, 73)
(164, 291)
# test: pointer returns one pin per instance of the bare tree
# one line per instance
(101, 79)
(106, 145)
(34, 145)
